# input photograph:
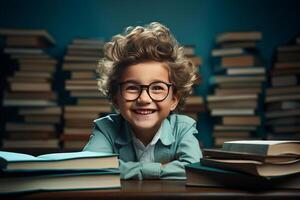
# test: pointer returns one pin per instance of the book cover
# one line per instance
(254, 167)
(264, 147)
(58, 161)
(28, 33)
(239, 36)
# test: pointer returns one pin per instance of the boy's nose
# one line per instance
(144, 97)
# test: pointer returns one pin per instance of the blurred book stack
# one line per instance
(30, 102)
(282, 102)
(83, 102)
(237, 83)
(194, 103)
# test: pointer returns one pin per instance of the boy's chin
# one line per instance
(145, 125)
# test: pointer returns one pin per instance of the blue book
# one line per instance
(83, 160)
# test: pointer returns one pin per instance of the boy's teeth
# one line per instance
(144, 112)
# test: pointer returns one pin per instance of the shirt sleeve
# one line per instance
(188, 151)
(98, 142)
(140, 170)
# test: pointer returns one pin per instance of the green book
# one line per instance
(264, 147)
(25, 181)
(82, 160)
(202, 176)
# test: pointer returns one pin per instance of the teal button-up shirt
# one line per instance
(176, 147)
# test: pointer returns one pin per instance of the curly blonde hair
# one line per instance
(154, 42)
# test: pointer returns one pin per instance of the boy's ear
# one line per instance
(175, 101)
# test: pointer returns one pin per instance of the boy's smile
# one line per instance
(144, 114)
(144, 111)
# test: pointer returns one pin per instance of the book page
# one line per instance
(13, 157)
(267, 142)
(74, 155)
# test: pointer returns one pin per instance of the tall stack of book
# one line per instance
(83, 102)
(58, 171)
(237, 83)
(282, 102)
(30, 100)
(255, 164)
(194, 103)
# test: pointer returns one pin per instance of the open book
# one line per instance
(58, 161)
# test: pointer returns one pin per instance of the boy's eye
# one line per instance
(132, 88)
(156, 87)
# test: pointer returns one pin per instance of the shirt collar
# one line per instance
(167, 136)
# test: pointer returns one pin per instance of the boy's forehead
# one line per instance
(146, 72)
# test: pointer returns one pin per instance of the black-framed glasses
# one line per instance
(157, 91)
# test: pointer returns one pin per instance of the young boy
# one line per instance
(147, 78)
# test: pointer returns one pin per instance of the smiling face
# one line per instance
(144, 114)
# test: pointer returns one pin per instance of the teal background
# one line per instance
(192, 21)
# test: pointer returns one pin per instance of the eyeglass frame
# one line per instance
(143, 87)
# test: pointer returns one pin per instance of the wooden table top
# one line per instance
(160, 189)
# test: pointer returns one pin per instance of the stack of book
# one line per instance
(249, 164)
(83, 100)
(193, 106)
(194, 103)
(282, 102)
(190, 52)
(58, 171)
(30, 99)
(237, 85)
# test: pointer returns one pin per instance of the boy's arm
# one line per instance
(188, 151)
(98, 142)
